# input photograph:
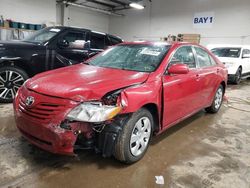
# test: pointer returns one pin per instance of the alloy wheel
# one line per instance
(10, 82)
(140, 136)
(238, 76)
(218, 98)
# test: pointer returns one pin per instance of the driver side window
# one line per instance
(76, 40)
(184, 55)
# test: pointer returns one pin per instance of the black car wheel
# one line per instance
(217, 102)
(11, 79)
(237, 76)
(134, 139)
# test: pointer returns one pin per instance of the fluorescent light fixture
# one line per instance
(136, 6)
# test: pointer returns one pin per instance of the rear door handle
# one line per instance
(197, 76)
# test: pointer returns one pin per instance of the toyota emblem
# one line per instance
(29, 101)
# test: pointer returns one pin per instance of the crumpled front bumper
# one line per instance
(48, 129)
(49, 138)
(44, 133)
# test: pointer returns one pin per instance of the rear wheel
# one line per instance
(218, 98)
(134, 139)
(237, 76)
(11, 79)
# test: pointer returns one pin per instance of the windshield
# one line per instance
(42, 36)
(227, 52)
(134, 57)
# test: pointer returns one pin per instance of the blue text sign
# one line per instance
(203, 20)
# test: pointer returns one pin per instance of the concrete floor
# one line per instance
(203, 151)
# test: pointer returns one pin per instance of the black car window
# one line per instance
(97, 41)
(107, 42)
(76, 40)
(184, 55)
(203, 57)
(114, 40)
(227, 52)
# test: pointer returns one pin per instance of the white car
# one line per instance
(236, 58)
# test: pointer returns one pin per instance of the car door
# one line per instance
(245, 62)
(208, 73)
(181, 93)
(71, 48)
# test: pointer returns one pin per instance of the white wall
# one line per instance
(163, 17)
(80, 17)
(29, 11)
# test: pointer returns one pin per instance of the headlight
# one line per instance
(93, 112)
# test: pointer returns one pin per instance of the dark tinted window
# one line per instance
(227, 52)
(107, 42)
(97, 41)
(114, 40)
(76, 40)
(184, 55)
(203, 57)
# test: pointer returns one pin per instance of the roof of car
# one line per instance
(67, 27)
(159, 43)
(211, 46)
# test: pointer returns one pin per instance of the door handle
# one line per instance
(198, 77)
(218, 71)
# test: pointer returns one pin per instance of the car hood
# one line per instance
(228, 59)
(83, 82)
(17, 45)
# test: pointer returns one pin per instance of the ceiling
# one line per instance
(107, 5)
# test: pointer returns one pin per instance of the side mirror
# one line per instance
(178, 69)
(246, 56)
(63, 43)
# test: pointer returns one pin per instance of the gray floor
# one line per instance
(203, 151)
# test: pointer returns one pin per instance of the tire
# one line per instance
(11, 79)
(237, 76)
(217, 101)
(131, 145)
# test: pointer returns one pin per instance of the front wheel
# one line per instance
(11, 79)
(237, 76)
(134, 138)
(217, 102)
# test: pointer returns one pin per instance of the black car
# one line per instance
(47, 49)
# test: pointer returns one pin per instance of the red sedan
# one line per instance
(115, 102)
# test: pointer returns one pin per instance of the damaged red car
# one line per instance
(115, 102)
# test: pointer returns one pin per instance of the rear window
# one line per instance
(114, 40)
(227, 52)
(97, 41)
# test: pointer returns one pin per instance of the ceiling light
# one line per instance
(136, 6)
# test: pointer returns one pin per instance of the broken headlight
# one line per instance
(93, 112)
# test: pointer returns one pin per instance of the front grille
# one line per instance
(42, 111)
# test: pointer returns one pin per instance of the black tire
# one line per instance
(214, 108)
(237, 76)
(11, 79)
(123, 151)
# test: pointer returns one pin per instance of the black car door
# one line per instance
(70, 48)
